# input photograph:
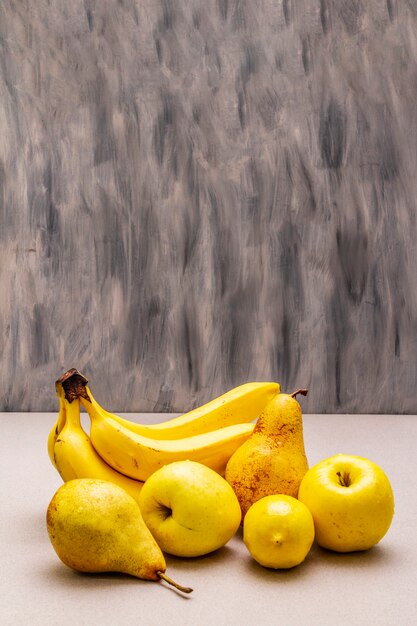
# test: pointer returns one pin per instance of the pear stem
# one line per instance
(173, 583)
(303, 392)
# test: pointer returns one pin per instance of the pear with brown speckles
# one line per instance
(96, 526)
(273, 460)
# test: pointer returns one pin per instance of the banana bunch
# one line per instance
(209, 434)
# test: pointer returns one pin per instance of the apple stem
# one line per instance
(303, 392)
(344, 480)
(163, 576)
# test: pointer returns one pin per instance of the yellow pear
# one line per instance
(273, 460)
(96, 526)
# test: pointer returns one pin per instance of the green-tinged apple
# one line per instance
(351, 500)
(189, 508)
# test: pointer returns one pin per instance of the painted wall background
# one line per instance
(199, 194)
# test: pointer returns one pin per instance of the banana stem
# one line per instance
(303, 392)
(73, 384)
(163, 576)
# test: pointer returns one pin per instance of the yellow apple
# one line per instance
(189, 508)
(278, 531)
(351, 501)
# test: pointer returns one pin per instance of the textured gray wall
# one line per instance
(198, 194)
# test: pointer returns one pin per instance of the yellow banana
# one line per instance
(138, 456)
(240, 405)
(75, 457)
(56, 428)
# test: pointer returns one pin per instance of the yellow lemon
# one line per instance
(278, 531)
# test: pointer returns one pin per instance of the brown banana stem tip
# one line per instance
(74, 385)
(303, 392)
(163, 576)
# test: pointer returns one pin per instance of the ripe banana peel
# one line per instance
(58, 426)
(75, 457)
(240, 405)
(138, 456)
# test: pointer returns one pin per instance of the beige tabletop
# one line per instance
(378, 587)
